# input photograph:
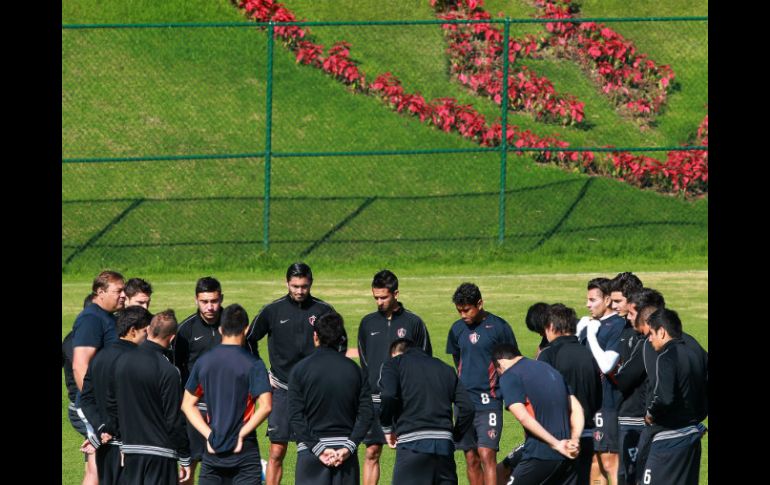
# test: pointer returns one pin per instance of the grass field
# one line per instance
(426, 291)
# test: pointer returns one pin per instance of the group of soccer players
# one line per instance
(614, 397)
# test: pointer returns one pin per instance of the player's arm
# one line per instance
(390, 394)
(453, 348)
(464, 411)
(607, 359)
(664, 390)
(259, 385)
(171, 398)
(90, 409)
(362, 347)
(81, 357)
(365, 414)
(297, 420)
(258, 328)
(631, 373)
(194, 417)
(423, 337)
(576, 419)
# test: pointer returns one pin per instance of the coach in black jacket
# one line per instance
(330, 409)
(417, 393)
(149, 395)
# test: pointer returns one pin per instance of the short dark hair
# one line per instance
(400, 345)
(537, 317)
(467, 294)
(163, 324)
(504, 351)
(132, 317)
(103, 280)
(668, 319)
(626, 283)
(646, 297)
(385, 279)
(563, 318)
(601, 284)
(88, 299)
(330, 329)
(207, 284)
(299, 270)
(233, 320)
(137, 285)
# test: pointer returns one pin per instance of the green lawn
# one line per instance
(425, 289)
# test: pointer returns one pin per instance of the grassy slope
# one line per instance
(425, 291)
(190, 91)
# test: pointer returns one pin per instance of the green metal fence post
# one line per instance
(268, 137)
(504, 137)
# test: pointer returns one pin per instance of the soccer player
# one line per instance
(98, 391)
(138, 293)
(581, 372)
(376, 332)
(602, 335)
(238, 400)
(94, 328)
(470, 341)
(679, 403)
(288, 323)
(552, 418)
(417, 396)
(149, 396)
(198, 334)
(330, 409)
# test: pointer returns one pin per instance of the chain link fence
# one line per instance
(221, 145)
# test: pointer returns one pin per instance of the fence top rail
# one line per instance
(378, 22)
(370, 153)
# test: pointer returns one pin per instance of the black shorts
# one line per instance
(629, 441)
(485, 432)
(533, 471)
(606, 431)
(108, 466)
(197, 441)
(244, 468)
(310, 471)
(674, 458)
(278, 430)
(415, 468)
(148, 470)
(375, 436)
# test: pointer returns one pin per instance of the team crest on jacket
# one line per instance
(401, 332)
(311, 320)
(598, 435)
(492, 433)
(474, 337)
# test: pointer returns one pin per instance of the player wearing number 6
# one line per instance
(470, 341)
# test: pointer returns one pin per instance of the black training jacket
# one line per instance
(289, 329)
(417, 396)
(577, 365)
(680, 395)
(194, 338)
(376, 333)
(149, 396)
(329, 402)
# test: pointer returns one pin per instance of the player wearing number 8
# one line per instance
(470, 341)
